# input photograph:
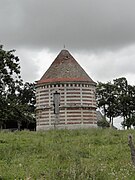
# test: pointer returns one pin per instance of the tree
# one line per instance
(10, 81)
(27, 100)
(22, 107)
(121, 85)
(117, 99)
(107, 100)
(126, 100)
(17, 99)
(101, 96)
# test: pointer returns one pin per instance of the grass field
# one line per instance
(66, 154)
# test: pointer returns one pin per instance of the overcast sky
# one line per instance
(100, 34)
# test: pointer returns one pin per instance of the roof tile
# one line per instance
(65, 69)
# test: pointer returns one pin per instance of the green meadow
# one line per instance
(85, 154)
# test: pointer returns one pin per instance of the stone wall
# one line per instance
(77, 105)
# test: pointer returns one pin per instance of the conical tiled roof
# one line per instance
(65, 69)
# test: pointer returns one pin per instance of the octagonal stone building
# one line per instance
(76, 96)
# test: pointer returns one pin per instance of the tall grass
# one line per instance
(90, 154)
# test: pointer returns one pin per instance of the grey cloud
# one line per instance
(97, 29)
(88, 24)
(107, 66)
(29, 66)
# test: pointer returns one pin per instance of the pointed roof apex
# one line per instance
(64, 52)
(65, 69)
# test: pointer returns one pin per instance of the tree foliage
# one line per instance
(107, 99)
(117, 99)
(17, 99)
(103, 123)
